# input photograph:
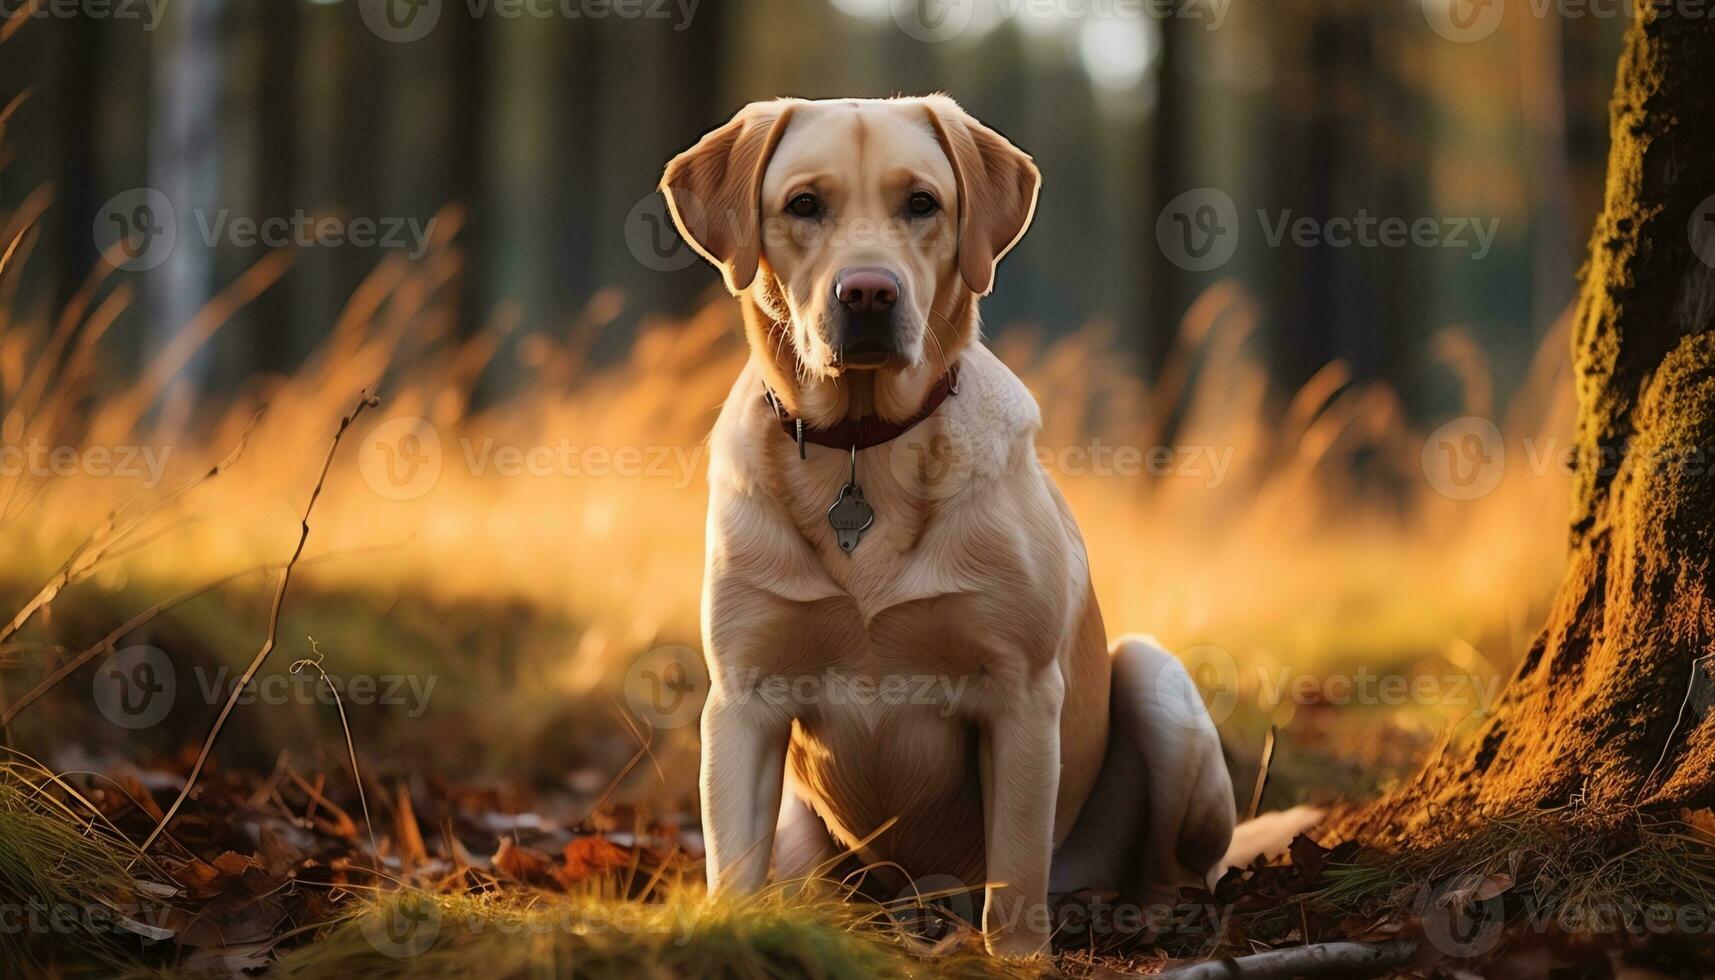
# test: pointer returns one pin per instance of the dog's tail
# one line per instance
(1268, 836)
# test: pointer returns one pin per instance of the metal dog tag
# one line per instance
(850, 517)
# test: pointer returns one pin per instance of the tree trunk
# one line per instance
(1610, 709)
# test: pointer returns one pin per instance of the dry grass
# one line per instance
(1322, 547)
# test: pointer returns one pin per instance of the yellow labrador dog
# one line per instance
(897, 608)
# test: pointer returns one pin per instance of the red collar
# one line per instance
(868, 431)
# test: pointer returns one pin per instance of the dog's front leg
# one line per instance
(1020, 767)
(743, 766)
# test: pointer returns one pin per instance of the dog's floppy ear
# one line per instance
(714, 189)
(997, 190)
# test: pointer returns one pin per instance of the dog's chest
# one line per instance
(946, 656)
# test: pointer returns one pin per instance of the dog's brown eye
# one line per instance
(922, 204)
(804, 206)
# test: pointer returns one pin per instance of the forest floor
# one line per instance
(580, 853)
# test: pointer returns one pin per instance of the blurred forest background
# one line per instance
(551, 307)
(1362, 523)
(552, 129)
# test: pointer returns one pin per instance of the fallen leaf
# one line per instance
(139, 795)
(198, 878)
(279, 856)
(407, 835)
(235, 864)
(1701, 821)
(586, 857)
(523, 863)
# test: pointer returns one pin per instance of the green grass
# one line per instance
(1544, 864)
(67, 888)
(417, 934)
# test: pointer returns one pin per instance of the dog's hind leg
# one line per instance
(1161, 813)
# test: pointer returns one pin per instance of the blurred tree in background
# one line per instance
(551, 130)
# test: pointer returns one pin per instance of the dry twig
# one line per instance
(364, 400)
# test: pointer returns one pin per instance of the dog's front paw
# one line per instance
(1021, 932)
(1015, 944)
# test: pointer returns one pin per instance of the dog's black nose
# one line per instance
(866, 290)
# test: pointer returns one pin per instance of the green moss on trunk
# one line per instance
(1610, 708)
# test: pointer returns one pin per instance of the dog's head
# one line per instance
(862, 228)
